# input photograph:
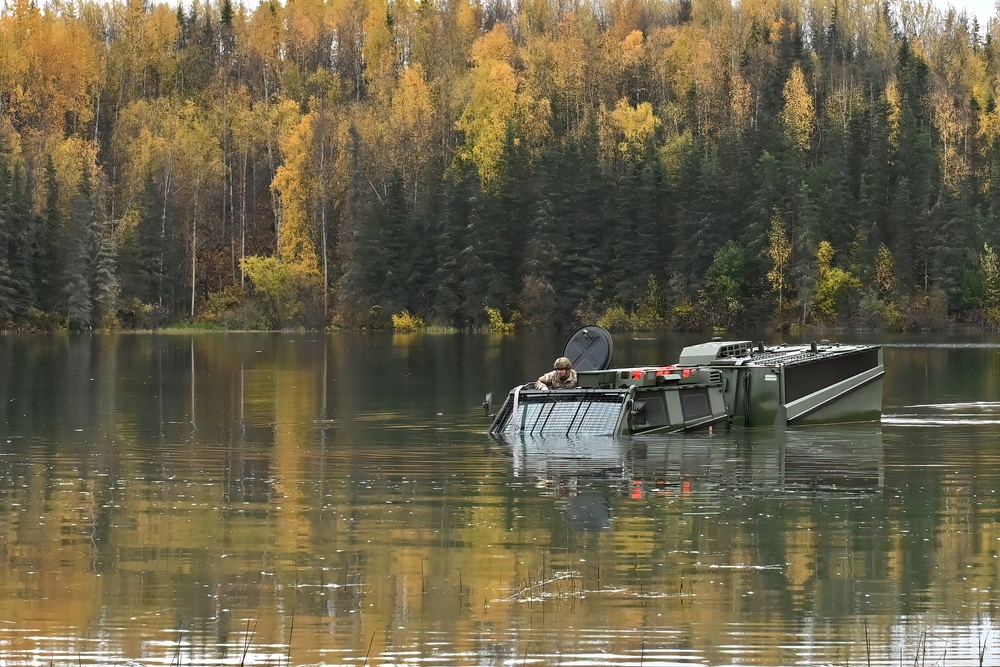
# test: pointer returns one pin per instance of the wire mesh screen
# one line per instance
(583, 415)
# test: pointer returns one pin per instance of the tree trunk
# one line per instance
(163, 235)
(322, 222)
(243, 219)
(194, 250)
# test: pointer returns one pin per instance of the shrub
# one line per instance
(404, 322)
(615, 319)
(685, 317)
(136, 314)
(497, 323)
(109, 322)
(285, 292)
(926, 311)
(649, 312)
(42, 320)
(537, 300)
(879, 314)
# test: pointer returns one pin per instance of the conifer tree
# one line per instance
(447, 280)
(47, 243)
(8, 286)
(538, 300)
(105, 276)
(21, 237)
(77, 282)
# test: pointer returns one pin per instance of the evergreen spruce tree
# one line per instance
(764, 203)
(804, 234)
(395, 246)
(482, 282)
(901, 234)
(446, 280)
(105, 278)
(47, 244)
(21, 245)
(8, 286)
(357, 235)
(77, 278)
(538, 301)
(581, 237)
(139, 250)
(423, 255)
(635, 249)
(704, 233)
(508, 222)
(227, 38)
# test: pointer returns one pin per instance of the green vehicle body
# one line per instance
(718, 384)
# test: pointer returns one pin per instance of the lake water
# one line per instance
(258, 499)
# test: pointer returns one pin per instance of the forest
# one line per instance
(497, 164)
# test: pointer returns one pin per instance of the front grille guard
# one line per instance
(563, 412)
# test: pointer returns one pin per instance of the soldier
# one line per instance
(561, 377)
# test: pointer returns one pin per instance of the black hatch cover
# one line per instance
(590, 348)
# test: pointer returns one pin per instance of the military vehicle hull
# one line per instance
(717, 384)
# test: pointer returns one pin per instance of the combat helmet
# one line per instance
(562, 362)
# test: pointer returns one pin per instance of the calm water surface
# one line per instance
(286, 499)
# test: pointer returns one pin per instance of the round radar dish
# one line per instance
(590, 348)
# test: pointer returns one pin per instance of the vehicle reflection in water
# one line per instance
(585, 471)
(569, 467)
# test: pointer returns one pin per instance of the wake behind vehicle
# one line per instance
(715, 384)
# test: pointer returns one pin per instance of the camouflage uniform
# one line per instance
(552, 379)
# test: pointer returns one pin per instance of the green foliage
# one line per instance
(685, 316)
(878, 313)
(877, 308)
(233, 309)
(47, 255)
(647, 315)
(77, 276)
(282, 290)
(615, 318)
(990, 270)
(728, 285)
(134, 314)
(105, 281)
(44, 321)
(834, 291)
(835, 287)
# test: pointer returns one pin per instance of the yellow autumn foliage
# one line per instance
(799, 115)
(626, 130)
